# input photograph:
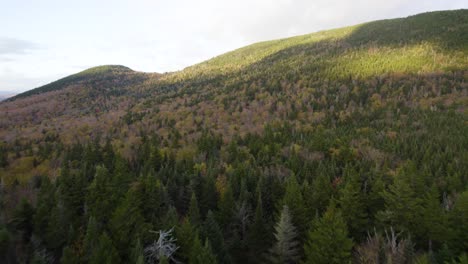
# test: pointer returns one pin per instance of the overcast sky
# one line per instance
(41, 41)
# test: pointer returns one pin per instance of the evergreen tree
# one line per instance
(137, 255)
(201, 254)
(45, 204)
(318, 194)
(458, 219)
(258, 231)
(23, 219)
(293, 199)
(104, 252)
(286, 247)
(328, 241)
(185, 234)
(194, 212)
(126, 223)
(403, 206)
(352, 207)
(434, 221)
(69, 257)
(213, 233)
(91, 237)
(226, 209)
(99, 199)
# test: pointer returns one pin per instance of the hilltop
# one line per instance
(87, 77)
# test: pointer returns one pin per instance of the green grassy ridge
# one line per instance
(99, 72)
(406, 45)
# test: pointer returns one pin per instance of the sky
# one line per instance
(42, 41)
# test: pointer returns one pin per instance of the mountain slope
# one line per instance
(88, 77)
(355, 132)
(418, 62)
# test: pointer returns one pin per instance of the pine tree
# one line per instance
(45, 203)
(226, 209)
(352, 207)
(68, 256)
(104, 252)
(201, 254)
(99, 197)
(185, 234)
(328, 241)
(258, 231)
(294, 200)
(194, 212)
(434, 221)
(458, 219)
(318, 194)
(136, 255)
(286, 247)
(126, 223)
(403, 206)
(91, 237)
(213, 233)
(23, 219)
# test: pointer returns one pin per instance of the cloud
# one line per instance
(13, 46)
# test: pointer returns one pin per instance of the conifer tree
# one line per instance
(126, 223)
(352, 207)
(104, 252)
(91, 237)
(213, 233)
(45, 203)
(293, 199)
(201, 254)
(258, 231)
(286, 246)
(328, 241)
(23, 219)
(226, 208)
(185, 234)
(194, 212)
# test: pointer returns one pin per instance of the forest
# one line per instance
(342, 146)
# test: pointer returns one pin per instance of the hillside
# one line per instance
(359, 131)
(91, 76)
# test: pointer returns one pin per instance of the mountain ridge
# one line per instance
(380, 31)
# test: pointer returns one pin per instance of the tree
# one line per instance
(45, 204)
(194, 212)
(286, 247)
(99, 199)
(201, 254)
(458, 219)
(213, 233)
(91, 237)
(328, 240)
(353, 208)
(68, 256)
(137, 256)
(403, 206)
(164, 247)
(294, 200)
(185, 234)
(126, 223)
(258, 233)
(104, 252)
(23, 219)
(226, 209)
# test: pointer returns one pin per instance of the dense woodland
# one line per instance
(343, 146)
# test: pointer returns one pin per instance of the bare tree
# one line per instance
(164, 247)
